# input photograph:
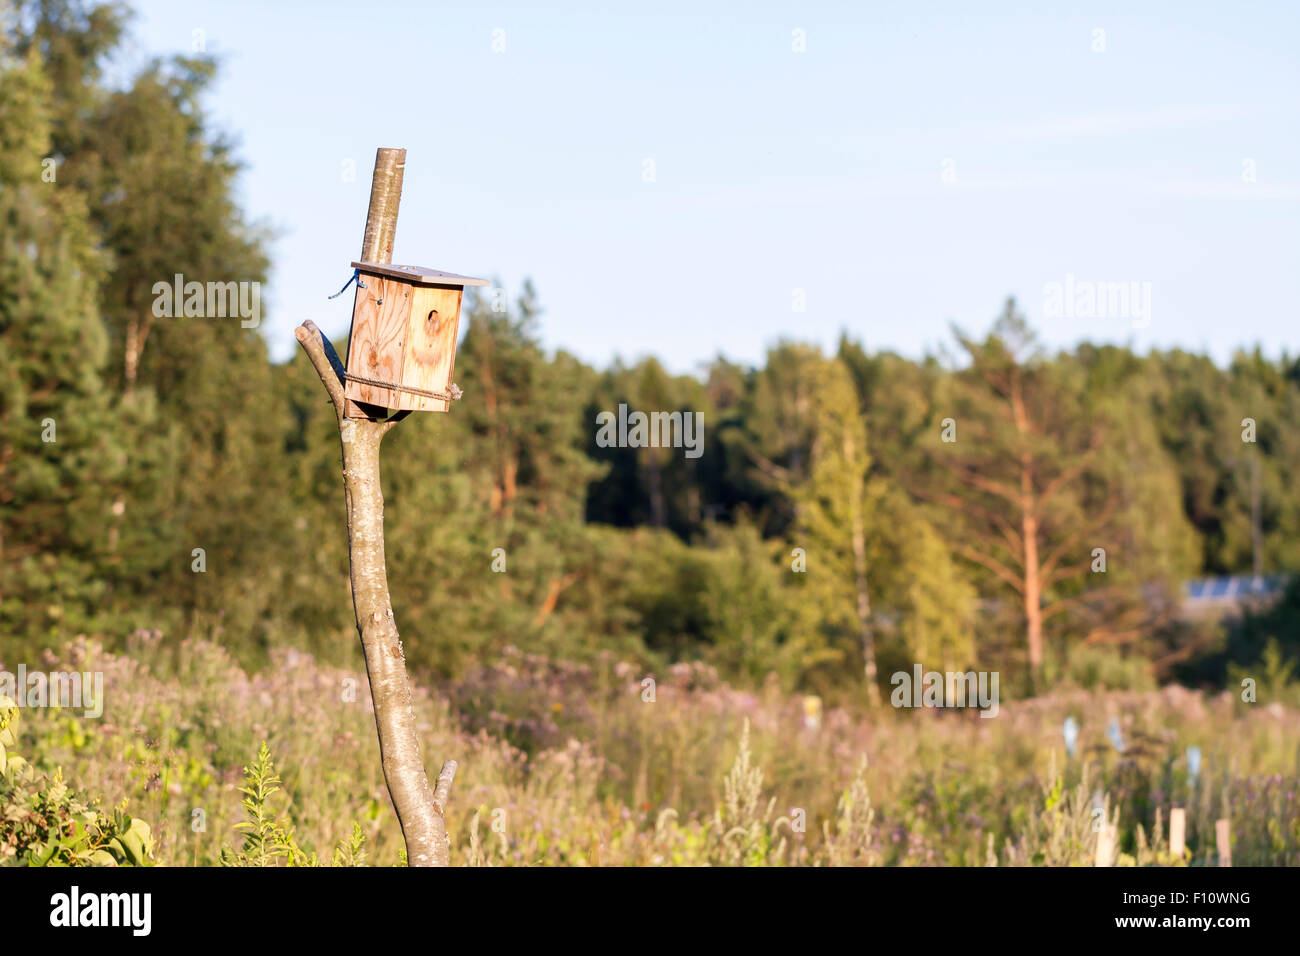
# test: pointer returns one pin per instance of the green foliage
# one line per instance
(44, 823)
(836, 511)
(755, 618)
(1102, 668)
(1275, 677)
(268, 838)
(56, 421)
(352, 852)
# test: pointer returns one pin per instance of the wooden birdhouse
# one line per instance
(402, 349)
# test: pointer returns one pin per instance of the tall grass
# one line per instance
(564, 764)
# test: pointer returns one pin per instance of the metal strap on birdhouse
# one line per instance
(452, 394)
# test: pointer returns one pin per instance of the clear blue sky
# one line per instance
(777, 170)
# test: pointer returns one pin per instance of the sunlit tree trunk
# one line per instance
(419, 806)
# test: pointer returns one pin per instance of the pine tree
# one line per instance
(59, 437)
(1035, 460)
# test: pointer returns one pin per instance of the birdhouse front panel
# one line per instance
(431, 346)
(402, 349)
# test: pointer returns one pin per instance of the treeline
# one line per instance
(997, 507)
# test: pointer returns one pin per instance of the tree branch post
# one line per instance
(419, 807)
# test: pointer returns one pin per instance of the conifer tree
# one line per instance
(1034, 476)
(58, 433)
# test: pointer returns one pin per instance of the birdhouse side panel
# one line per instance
(431, 345)
(379, 332)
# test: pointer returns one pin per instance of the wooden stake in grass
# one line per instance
(1177, 831)
(1223, 839)
(1106, 840)
(419, 806)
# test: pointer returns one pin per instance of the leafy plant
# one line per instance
(1274, 676)
(268, 839)
(44, 823)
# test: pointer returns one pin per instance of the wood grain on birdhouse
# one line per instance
(431, 348)
(405, 322)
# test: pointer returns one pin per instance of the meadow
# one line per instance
(567, 764)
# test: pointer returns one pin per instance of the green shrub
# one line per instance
(44, 823)
(1104, 668)
(268, 839)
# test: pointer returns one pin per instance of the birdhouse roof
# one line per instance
(418, 274)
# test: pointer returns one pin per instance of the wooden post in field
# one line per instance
(1223, 840)
(1106, 840)
(381, 231)
(385, 199)
(419, 806)
(1177, 831)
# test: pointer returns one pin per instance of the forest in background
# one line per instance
(827, 528)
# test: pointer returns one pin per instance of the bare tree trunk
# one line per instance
(385, 199)
(858, 532)
(419, 807)
(1256, 530)
(864, 610)
(399, 743)
(137, 332)
(1033, 592)
(553, 592)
